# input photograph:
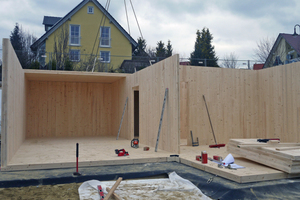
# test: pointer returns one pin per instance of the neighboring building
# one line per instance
(88, 34)
(185, 63)
(258, 66)
(286, 50)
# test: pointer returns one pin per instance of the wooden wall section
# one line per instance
(121, 90)
(13, 104)
(151, 83)
(231, 97)
(64, 109)
(241, 103)
(279, 112)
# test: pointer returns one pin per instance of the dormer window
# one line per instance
(90, 10)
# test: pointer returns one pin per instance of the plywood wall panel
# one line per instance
(280, 102)
(64, 109)
(228, 95)
(13, 104)
(152, 82)
(121, 90)
(241, 103)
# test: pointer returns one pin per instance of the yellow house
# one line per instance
(87, 38)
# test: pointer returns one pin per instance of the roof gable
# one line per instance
(292, 40)
(73, 12)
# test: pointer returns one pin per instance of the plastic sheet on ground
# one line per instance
(173, 187)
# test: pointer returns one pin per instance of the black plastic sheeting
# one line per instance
(218, 188)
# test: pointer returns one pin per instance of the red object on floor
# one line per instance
(121, 152)
(216, 145)
(204, 157)
(198, 158)
(216, 157)
(101, 193)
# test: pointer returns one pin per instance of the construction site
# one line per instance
(166, 117)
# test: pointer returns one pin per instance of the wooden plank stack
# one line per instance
(282, 156)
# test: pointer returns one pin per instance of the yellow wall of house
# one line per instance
(120, 49)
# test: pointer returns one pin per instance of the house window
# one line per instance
(277, 61)
(74, 55)
(74, 34)
(105, 36)
(105, 56)
(90, 10)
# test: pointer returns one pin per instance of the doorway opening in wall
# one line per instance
(136, 114)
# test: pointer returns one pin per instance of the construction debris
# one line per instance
(174, 187)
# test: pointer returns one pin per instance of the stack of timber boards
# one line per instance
(282, 156)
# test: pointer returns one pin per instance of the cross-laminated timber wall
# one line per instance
(51, 104)
(242, 103)
(151, 84)
(279, 110)
(13, 104)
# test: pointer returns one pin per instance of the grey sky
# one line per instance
(236, 25)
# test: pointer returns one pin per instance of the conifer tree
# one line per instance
(169, 50)
(21, 42)
(204, 53)
(160, 50)
(16, 39)
(141, 48)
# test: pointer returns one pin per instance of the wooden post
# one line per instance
(114, 187)
(114, 194)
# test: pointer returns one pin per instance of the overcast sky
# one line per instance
(236, 25)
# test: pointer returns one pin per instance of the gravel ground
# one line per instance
(43, 192)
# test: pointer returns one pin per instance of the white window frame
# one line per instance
(70, 35)
(88, 9)
(106, 39)
(70, 55)
(102, 59)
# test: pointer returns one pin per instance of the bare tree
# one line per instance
(263, 49)
(61, 40)
(27, 40)
(151, 51)
(230, 61)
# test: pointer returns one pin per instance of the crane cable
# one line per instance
(106, 8)
(136, 19)
(127, 16)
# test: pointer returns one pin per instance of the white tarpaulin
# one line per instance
(173, 187)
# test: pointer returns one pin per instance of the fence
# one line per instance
(223, 63)
(114, 63)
